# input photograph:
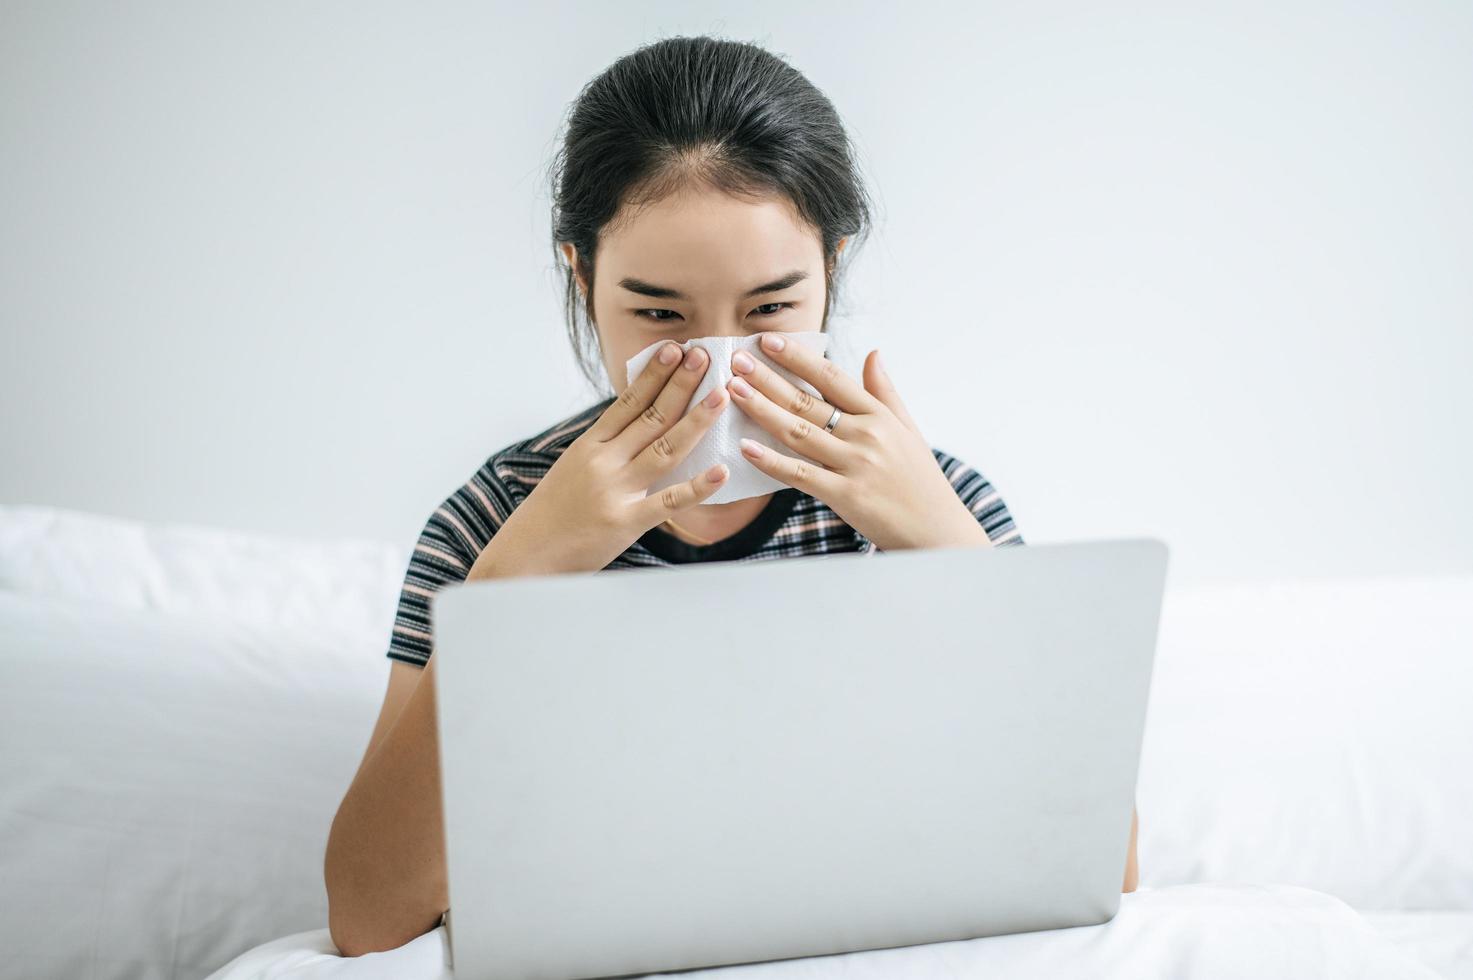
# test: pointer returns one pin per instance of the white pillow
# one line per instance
(320, 587)
(1314, 733)
(167, 784)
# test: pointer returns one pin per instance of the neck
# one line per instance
(713, 522)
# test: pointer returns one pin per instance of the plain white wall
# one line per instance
(1194, 271)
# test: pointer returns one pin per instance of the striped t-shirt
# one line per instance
(792, 524)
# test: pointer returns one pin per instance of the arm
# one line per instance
(385, 861)
(1132, 871)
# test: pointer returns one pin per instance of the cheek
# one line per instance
(620, 346)
(808, 317)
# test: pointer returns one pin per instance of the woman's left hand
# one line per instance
(876, 470)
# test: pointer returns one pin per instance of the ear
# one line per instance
(570, 255)
(833, 262)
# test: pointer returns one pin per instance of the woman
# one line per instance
(703, 188)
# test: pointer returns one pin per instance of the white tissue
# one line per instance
(722, 442)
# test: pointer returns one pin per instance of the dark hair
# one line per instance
(687, 110)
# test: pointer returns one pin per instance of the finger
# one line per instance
(667, 408)
(811, 478)
(780, 391)
(638, 395)
(878, 383)
(836, 387)
(665, 451)
(796, 433)
(681, 496)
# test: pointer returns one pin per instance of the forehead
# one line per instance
(708, 239)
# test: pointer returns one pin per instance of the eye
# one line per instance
(766, 309)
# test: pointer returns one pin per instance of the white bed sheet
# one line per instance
(138, 663)
(1184, 932)
(1443, 939)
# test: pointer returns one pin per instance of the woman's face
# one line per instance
(701, 263)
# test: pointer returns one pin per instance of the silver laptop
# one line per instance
(664, 769)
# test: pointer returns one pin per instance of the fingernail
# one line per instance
(693, 358)
(880, 363)
(772, 341)
(740, 388)
(743, 362)
(750, 448)
(713, 399)
(716, 473)
(669, 354)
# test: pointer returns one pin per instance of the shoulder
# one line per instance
(979, 495)
(467, 518)
(520, 465)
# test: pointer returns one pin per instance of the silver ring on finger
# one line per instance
(833, 421)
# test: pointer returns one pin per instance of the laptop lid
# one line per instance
(664, 769)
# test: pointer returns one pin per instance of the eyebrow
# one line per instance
(664, 292)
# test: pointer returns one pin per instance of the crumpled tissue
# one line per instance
(722, 442)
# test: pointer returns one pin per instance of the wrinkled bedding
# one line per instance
(182, 708)
(1185, 932)
(1441, 938)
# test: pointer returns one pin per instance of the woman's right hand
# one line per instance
(594, 501)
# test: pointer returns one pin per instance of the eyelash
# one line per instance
(662, 319)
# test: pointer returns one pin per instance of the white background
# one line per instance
(1202, 272)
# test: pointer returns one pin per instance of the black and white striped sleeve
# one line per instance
(453, 538)
(982, 499)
